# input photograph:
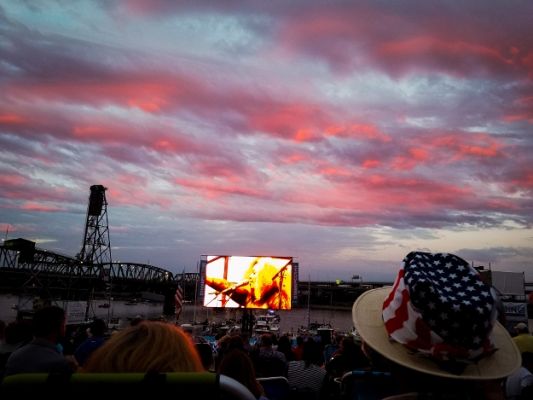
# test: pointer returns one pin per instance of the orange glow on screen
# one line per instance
(248, 282)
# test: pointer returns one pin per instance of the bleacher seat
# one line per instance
(127, 386)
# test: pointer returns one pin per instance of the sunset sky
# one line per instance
(343, 133)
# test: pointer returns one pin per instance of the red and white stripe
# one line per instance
(405, 324)
(178, 300)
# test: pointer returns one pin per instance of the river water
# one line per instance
(290, 321)
(76, 310)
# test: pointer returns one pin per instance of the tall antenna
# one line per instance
(309, 301)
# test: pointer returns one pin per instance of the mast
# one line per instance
(309, 301)
(196, 293)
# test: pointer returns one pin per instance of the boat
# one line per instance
(114, 323)
(267, 323)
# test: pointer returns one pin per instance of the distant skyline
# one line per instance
(344, 134)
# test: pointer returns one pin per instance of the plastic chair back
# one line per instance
(366, 385)
(129, 386)
(275, 387)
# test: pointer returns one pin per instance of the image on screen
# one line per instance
(248, 282)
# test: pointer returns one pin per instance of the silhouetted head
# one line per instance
(49, 322)
(98, 327)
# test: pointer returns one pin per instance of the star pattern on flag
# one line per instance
(451, 296)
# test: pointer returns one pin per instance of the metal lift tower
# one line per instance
(96, 247)
(96, 250)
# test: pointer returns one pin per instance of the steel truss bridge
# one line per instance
(43, 273)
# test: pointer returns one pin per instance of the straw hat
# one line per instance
(494, 356)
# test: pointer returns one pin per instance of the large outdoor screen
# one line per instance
(248, 282)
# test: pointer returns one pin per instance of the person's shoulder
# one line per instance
(25, 348)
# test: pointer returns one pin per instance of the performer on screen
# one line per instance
(263, 286)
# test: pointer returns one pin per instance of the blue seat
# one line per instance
(149, 386)
(275, 387)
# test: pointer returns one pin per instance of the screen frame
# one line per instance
(227, 282)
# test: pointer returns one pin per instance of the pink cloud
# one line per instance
(207, 188)
(369, 164)
(355, 130)
(528, 62)
(525, 181)
(423, 39)
(414, 194)
(40, 207)
(295, 157)
(380, 195)
(12, 180)
(525, 116)
(522, 110)
(307, 122)
(101, 128)
(324, 34)
(290, 121)
(230, 169)
(7, 228)
(136, 196)
(330, 170)
(21, 189)
(441, 54)
(477, 145)
(414, 157)
(150, 93)
(10, 119)
(128, 179)
(519, 181)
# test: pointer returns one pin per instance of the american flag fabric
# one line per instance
(178, 300)
(440, 307)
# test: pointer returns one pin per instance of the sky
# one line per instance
(343, 133)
